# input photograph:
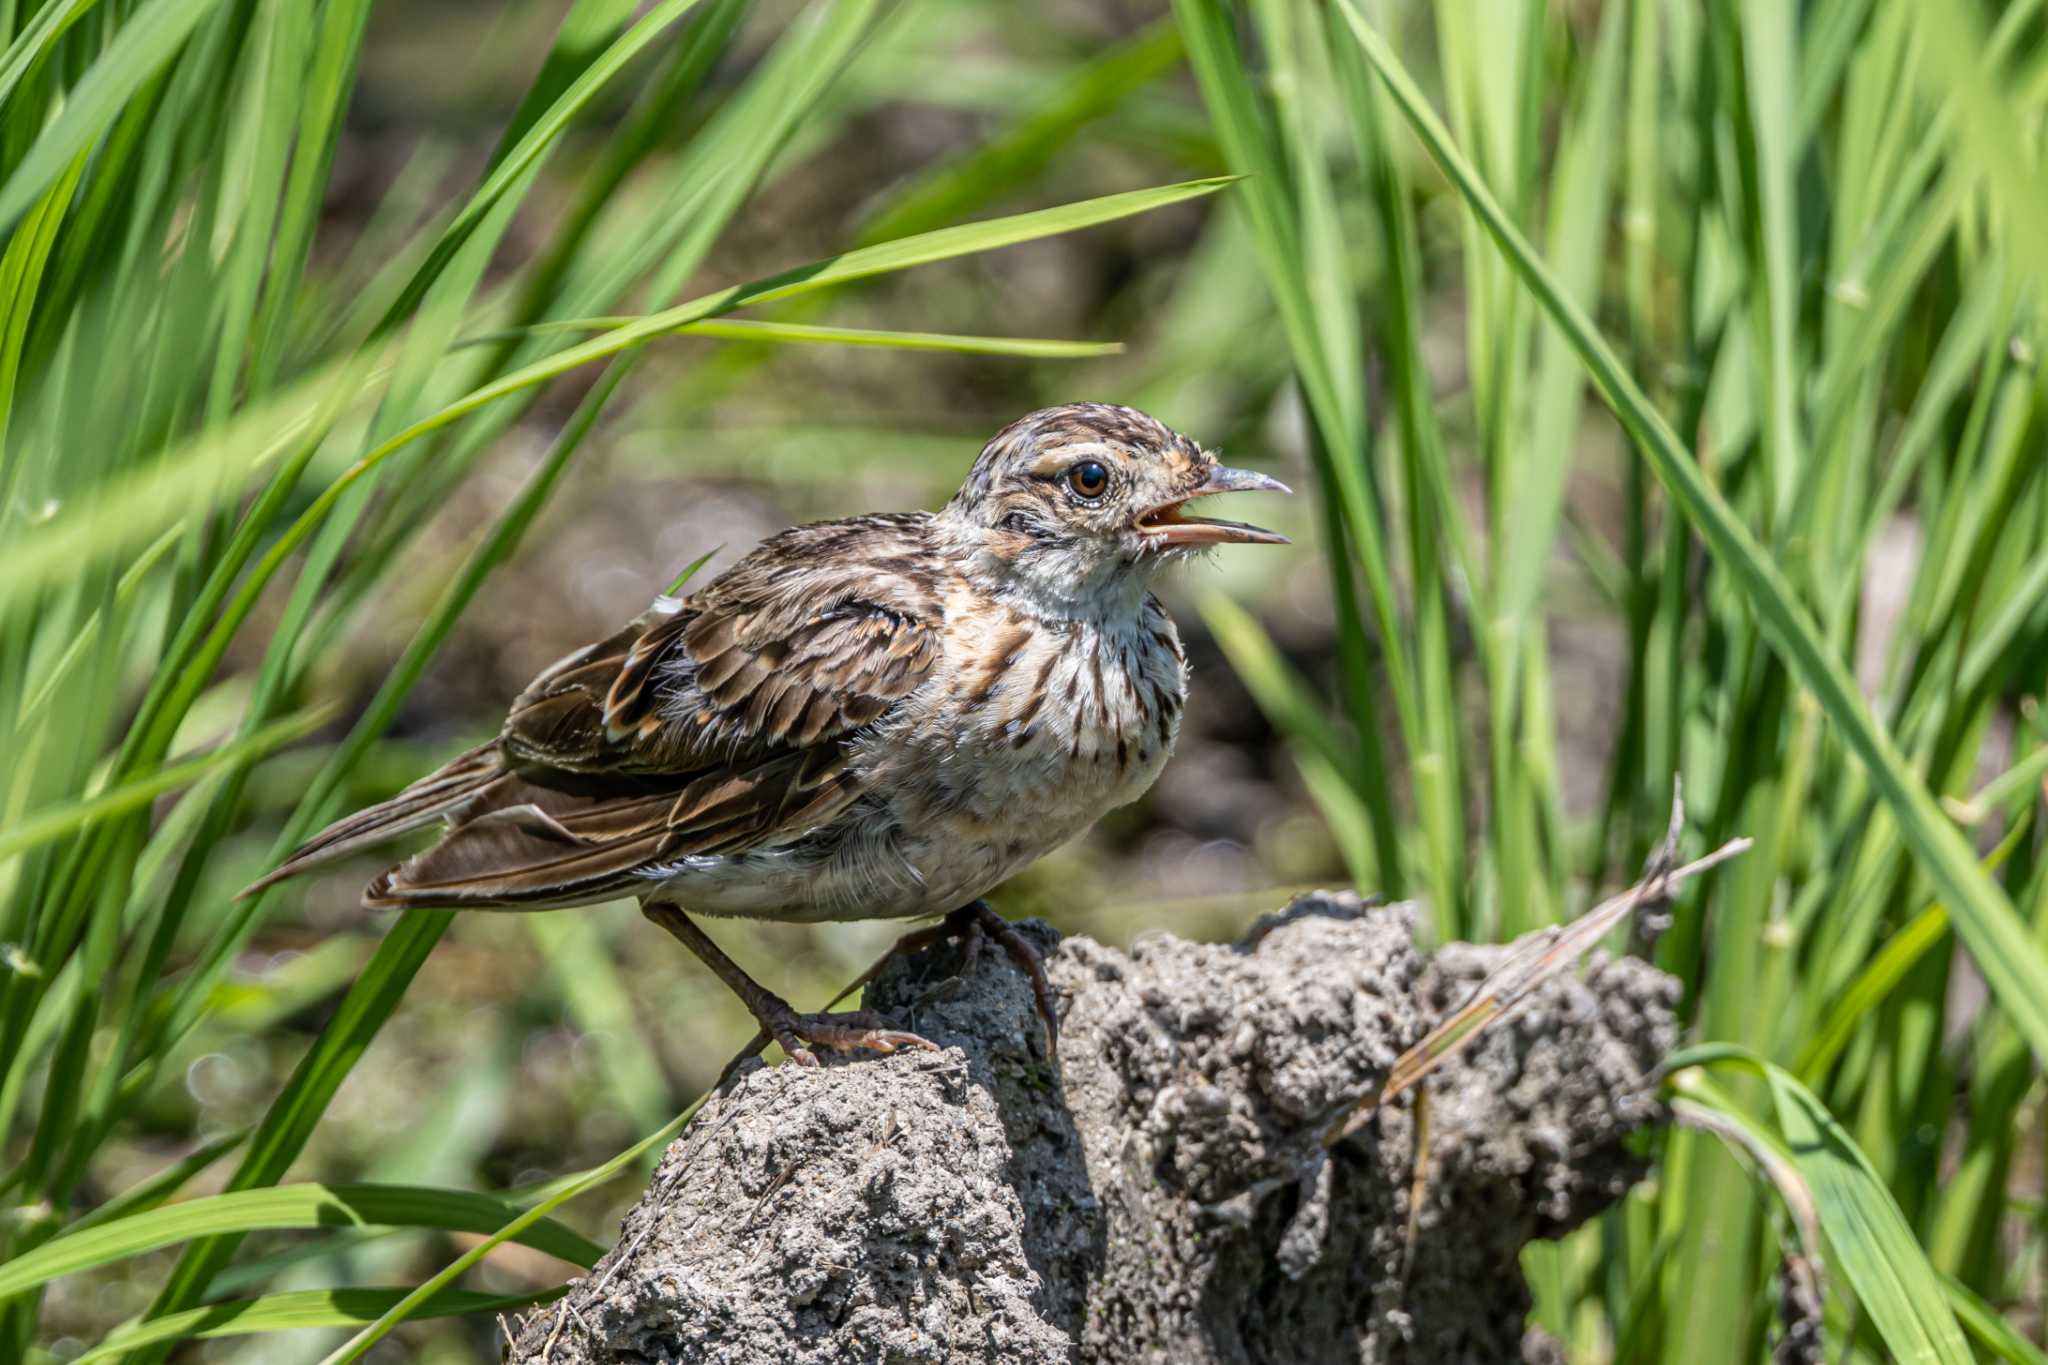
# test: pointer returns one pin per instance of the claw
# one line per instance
(851, 1032)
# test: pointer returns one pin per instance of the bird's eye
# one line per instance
(1088, 479)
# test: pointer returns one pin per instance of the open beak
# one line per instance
(1164, 525)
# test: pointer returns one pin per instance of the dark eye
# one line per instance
(1088, 479)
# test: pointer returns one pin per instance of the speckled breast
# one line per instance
(1041, 727)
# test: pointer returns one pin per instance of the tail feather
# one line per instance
(514, 858)
(442, 792)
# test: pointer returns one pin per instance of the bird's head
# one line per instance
(1083, 502)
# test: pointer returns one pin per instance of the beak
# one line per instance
(1164, 525)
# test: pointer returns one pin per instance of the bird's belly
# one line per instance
(991, 807)
(840, 873)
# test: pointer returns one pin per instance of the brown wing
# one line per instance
(706, 727)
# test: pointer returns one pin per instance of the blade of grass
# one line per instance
(1289, 211)
(45, 825)
(739, 329)
(1873, 1245)
(1964, 70)
(1326, 759)
(1993, 1330)
(515, 1230)
(1023, 149)
(144, 44)
(2015, 968)
(301, 1309)
(150, 1193)
(287, 1206)
(1768, 57)
(35, 40)
(544, 133)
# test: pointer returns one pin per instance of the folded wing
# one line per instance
(714, 725)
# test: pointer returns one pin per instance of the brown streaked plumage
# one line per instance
(882, 717)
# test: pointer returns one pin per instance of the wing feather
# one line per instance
(708, 726)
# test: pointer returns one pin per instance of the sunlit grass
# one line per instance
(214, 455)
(1792, 256)
(1785, 259)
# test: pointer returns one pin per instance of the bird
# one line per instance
(882, 717)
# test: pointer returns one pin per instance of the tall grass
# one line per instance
(215, 448)
(1708, 329)
(1815, 252)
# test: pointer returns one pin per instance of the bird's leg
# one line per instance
(842, 1032)
(973, 924)
(978, 918)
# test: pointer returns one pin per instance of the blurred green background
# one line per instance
(1661, 379)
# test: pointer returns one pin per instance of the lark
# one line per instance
(877, 718)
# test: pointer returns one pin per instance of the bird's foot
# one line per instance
(977, 922)
(852, 1031)
(779, 1022)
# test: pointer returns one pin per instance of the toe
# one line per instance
(856, 1033)
(896, 1038)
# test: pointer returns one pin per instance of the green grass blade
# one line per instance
(1294, 228)
(1879, 977)
(690, 571)
(738, 329)
(286, 1206)
(2018, 780)
(301, 1309)
(156, 494)
(941, 244)
(1992, 1329)
(144, 44)
(1964, 70)
(1769, 56)
(1021, 151)
(43, 826)
(1325, 757)
(545, 131)
(587, 33)
(2015, 967)
(290, 1120)
(150, 1193)
(33, 43)
(513, 1231)
(1581, 194)
(21, 275)
(1872, 1243)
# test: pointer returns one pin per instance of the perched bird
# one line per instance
(877, 718)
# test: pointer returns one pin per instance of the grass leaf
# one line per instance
(141, 48)
(2015, 967)
(287, 1206)
(297, 1310)
(1873, 1245)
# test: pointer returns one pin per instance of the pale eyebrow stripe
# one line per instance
(1055, 461)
